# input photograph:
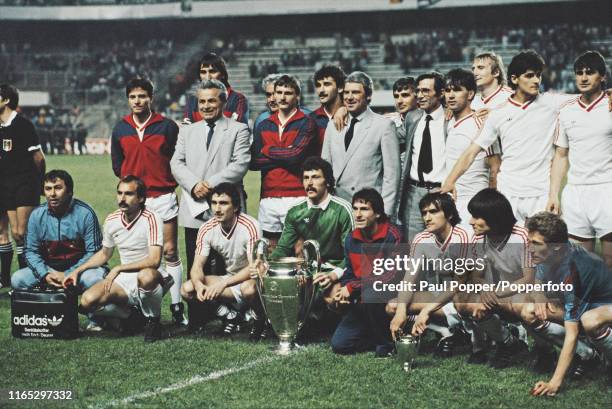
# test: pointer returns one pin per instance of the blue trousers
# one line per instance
(25, 278)
(364, 328)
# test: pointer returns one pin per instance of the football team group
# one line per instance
(471, 163)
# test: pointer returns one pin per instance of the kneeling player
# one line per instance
(503, 245)
(232, 234)
(138, 235)
(587, 303)
(365, 324)
(441, 240)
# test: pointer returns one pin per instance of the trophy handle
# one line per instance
(312, 248)
(260, 252)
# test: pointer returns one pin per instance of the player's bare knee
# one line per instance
(591, 323)
(187, 291)
(391, 308)
(248, 289)
(170, 253)
(528, 314)
(148, 279)
(88, 301)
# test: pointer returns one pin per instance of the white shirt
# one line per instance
(425, 246)
(525, 132)
(587, 132)
(235, 246)
(461, 133)
(506, 261)
(133, 239)
(436, 130)
(498, 97)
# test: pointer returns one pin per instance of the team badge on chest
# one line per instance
(7, 145)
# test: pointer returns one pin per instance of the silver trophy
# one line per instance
(286, 289)
(407, 348)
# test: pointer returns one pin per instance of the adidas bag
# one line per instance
(40, 313)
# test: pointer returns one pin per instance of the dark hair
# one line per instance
(404, 83)
(290, 81)
(593, 60)
(141, 188)
(231, 190)
(550, 226)
(332, 71)
(438, 81)
(458, 78)
(138, 82)
(55, 174)
(371, 196)
(217, 63)
(523, 62)
(316, 163)
(444, 202)
(492, 206)
(11, 93)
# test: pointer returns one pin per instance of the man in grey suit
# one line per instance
(424, 163)
(207, 153)
(366, 153)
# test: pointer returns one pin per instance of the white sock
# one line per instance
(444, 331)
(150, 301)
(113, 310)
(175, 270)
(555, 333)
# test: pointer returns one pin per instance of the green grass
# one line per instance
(103, 369)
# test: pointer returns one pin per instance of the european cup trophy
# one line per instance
(406, 348)
(286, 289)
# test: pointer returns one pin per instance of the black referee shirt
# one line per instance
(17, 142)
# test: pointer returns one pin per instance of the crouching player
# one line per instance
(503, 247)
(232, 234)
(138, 235)
(364, 326)
(441, 240)
(588, 303)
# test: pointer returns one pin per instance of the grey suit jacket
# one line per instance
(411, 123)
(372, 159)
(226, 160)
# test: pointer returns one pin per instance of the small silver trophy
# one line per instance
(407, 348)
(286, 289)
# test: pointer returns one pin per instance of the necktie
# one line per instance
(348, 137)
(425, 164)
(211, 130)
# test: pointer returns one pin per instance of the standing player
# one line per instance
(267, 86)
(329, 85)
(212, 66)
(442, 239)
(488, 70)
(142, 145)
(280, 145)
(524, 125)
(138, 235)
(462, 129)
(22, 165)
(232, 234)
(588, 304)
(584, 143)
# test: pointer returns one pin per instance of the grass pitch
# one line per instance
(182, 371)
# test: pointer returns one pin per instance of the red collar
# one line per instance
(589, 107)
(490, 97)
(522, 106)
(459, 122)
(381, 233)
(155, 117)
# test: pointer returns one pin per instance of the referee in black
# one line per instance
(22, 165)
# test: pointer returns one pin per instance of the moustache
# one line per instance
(123, 204)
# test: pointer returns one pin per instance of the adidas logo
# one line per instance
(34, 321)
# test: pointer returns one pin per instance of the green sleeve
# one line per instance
(348, 225)
(289, 236)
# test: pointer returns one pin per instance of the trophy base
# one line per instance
(286, 348)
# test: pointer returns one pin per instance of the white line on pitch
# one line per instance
(191, 381)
